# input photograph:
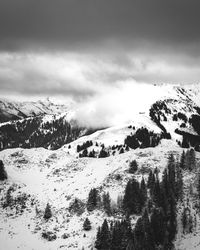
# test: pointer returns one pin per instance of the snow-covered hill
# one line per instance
(64, 177)
(59, 178)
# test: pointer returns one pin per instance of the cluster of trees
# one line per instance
(96, 201)
(188, 160)
(34, 132)
(135, 197)
(114, 236)
(143, 139)
(188, 140)
(158, 110)
(93, 154)
(85, 145)
(195, 122)
(180, 116)
(157, 113)
(156, 202)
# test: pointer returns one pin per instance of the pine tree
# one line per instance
(143, 189)
(98, 239)
(127, 201)
(192, 156)
(149, 241)
(171, 172)
(139, 235)
(172, 223)
(190, 159)
(105, 236)
(126, 233)
(182, 160)
(151, 180)
(133, 167)
(179, 183)
(92, 199)
(133, 198)
(115, 237)
(156, 194)
(47, 213)
(106, 203)
(158, 226)
(87, 225)
(3, 174)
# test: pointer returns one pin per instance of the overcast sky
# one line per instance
(82, 48)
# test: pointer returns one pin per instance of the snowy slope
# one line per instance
(58, 178)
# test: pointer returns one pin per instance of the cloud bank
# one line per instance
(86, 49)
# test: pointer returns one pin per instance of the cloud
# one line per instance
(80, 76)
(81, 49)
(121, 105)
(78, 25)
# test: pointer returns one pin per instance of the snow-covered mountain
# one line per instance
(100, 159)
(12, 110)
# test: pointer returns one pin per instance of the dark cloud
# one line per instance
(77, 24)
(82, 48)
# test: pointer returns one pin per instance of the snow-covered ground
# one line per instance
(58, 178)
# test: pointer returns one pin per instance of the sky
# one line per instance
(79, 50)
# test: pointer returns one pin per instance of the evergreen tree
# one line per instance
(103, 153)
(92, 199)
(192, 155)
(171, 227)
(179, 183)
(158, 226)
(87, 225)
(133, 202)
(125, 229)
(47, 213)
(149, 241)
(116, 236)
(182, 160)
(151, 180)
(143, 189)
(98, 239)
(133, 167)
(190, 159)
(139, 235)
(127, 201)
(3, 174)
(103, 237)
(106, 203)
(156, 193)
(171, 172)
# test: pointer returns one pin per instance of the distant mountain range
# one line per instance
(12, 110)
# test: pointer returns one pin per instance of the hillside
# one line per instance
(83, 159)
(41, 176)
